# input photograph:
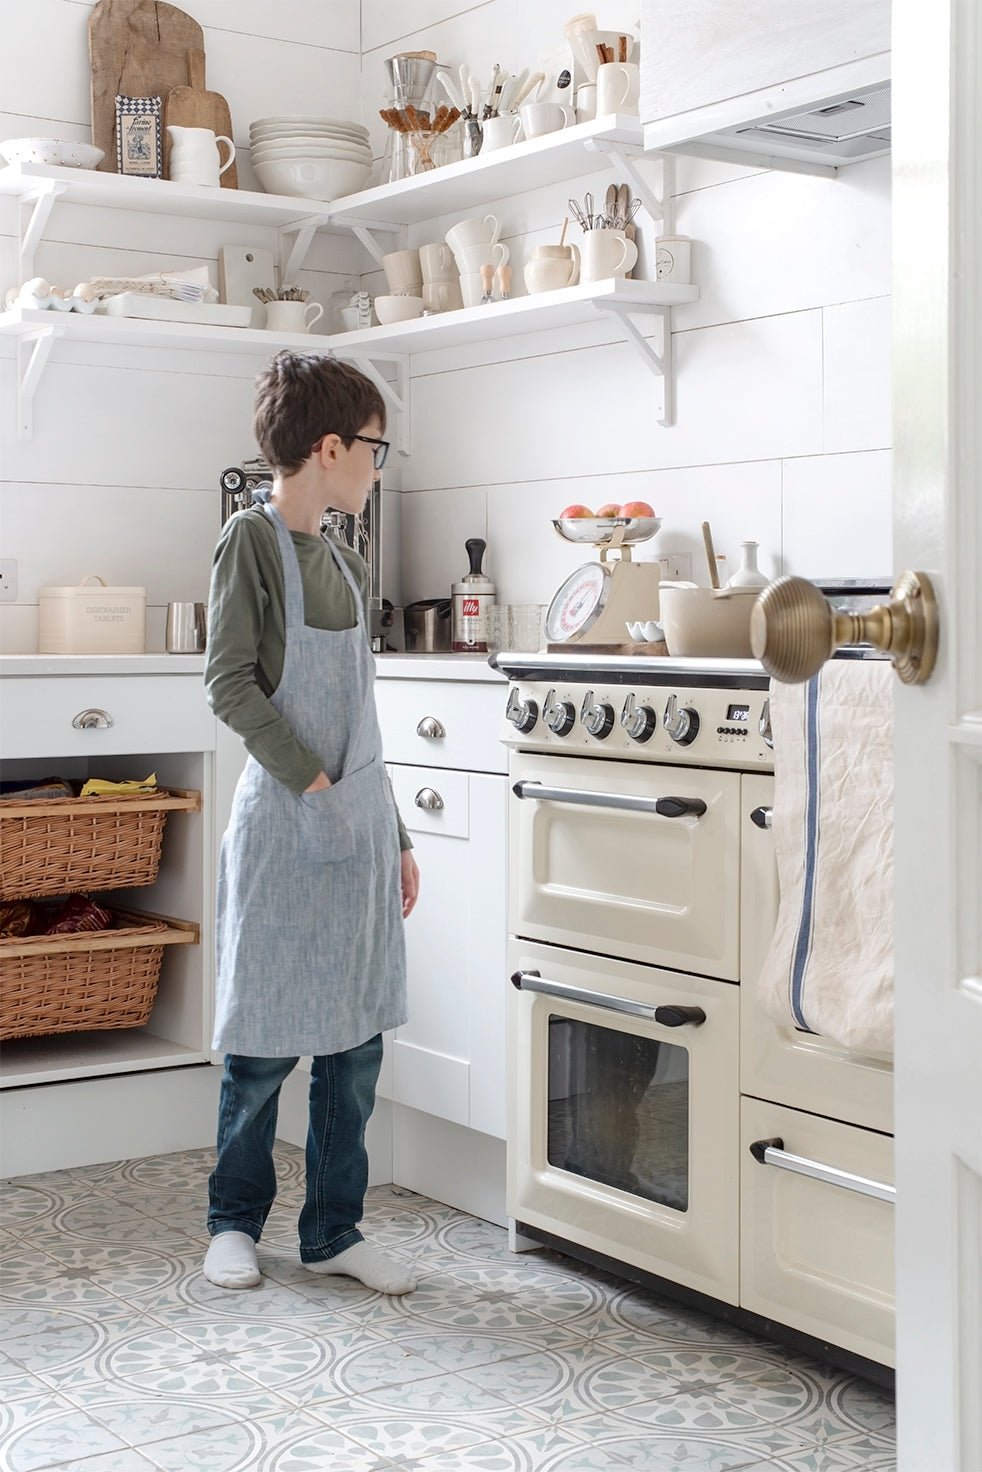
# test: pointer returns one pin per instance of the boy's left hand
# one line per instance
(410, 882)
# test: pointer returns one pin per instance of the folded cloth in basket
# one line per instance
(829, 969)
(98, 787)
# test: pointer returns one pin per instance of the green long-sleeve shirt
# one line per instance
(247, 636)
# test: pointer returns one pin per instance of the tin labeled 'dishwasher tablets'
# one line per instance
(472, 597)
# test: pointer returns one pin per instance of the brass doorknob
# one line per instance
(794, 629)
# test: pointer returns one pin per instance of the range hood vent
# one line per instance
(854, 127)
(838, 130)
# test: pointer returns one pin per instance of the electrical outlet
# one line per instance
(676, 567)
(8, 580)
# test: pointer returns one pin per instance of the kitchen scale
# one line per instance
(596, 601)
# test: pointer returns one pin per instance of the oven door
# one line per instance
(623, 1113)
(592, 864)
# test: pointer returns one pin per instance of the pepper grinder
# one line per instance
(503, 277)
(487, 277)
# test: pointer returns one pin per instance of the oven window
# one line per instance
(619, 1110)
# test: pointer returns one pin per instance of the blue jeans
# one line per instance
(242, 1187)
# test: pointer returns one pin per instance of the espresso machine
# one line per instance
(243, 485)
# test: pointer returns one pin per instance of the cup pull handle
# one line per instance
(92, 719)
(428, 798)
(431, 728)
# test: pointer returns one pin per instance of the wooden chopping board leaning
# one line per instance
(138, 48)
(193, 107)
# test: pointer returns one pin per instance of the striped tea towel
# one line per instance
(830, 963)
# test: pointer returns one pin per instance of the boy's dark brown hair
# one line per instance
(300, 397)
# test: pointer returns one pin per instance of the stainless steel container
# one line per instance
(428, 626)
(186, 628)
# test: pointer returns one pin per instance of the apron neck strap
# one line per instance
(292, 584)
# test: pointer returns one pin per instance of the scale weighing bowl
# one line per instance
(598, 531)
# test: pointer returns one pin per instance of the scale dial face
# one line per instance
(578, 602)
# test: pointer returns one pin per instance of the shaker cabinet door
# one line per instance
(448, 1059)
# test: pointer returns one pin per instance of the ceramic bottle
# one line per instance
(748, 574)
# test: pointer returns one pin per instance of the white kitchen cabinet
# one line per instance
(149, 723)
(449, 1059)
(711, 71)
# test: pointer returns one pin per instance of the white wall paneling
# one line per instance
(856, 350)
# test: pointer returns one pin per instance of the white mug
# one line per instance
(437, 262)
(586, 102)
(403, 272)
(545, 117)
(194, 156)
(292, 316)
(473, 232)
(442, 296)
(501, 132)
(473, 257)
(618, 87)
(605, 254)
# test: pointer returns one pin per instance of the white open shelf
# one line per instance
(472, 182)
(90, 1055)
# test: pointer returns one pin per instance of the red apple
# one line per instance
(637, 508)
(611, 508)
(575, 512)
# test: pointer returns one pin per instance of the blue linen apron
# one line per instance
(309, 932)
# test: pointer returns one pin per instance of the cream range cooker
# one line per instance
(658, 1119)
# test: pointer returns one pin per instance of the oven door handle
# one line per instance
(533, 981)
(665, 807)
(772, 1152)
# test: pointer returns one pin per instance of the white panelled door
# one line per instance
(937, 141)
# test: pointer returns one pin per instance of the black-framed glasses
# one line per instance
(381, 450)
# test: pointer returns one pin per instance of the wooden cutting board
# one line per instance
(193, 107)
(138, 48)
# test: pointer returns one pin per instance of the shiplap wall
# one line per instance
(783, 392)
(783, 426)
(121, 476)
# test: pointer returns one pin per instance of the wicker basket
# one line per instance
(78, 844)
(87, 982)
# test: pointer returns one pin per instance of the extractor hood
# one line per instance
(839, 130)
(811, 133)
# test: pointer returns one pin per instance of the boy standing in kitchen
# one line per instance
(316, 875)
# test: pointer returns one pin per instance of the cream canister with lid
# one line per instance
(87, 619)
(472, 596)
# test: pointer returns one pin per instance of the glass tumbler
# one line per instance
(526, 623)
(499, 627)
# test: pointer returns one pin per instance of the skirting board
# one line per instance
(117, 1117)
(449, 1163)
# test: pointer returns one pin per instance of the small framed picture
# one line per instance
(139, 146)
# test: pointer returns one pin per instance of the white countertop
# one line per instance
(389, 666)
(101, 664)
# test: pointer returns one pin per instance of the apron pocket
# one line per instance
(331, 823)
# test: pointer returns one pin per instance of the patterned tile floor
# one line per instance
(118, 1356)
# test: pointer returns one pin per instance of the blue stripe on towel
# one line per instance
(803, 939)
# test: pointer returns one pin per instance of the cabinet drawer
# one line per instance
(148, 714)
(816, 1255)
(415, 787)
(468, 715)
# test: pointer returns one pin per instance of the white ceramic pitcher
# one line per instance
(606, 254)
(194, 156)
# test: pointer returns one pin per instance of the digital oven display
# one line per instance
(738, 713)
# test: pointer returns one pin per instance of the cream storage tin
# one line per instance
(92, 618)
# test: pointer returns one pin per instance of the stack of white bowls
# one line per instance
(314, 158)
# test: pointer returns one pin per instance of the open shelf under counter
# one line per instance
(568, 307)
(473, 182)
(90, 1055)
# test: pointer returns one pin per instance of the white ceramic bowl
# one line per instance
(325, 178)
(293, 119)
(59, 151)
(706, 622)
(266, 151)
(389, 309)
(307, 130)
